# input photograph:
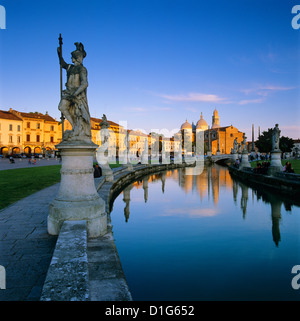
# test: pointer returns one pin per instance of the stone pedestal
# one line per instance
(104, 165)
(245, 161)
(107, 172)
(234, 157)
(77, 198)
(275, 165)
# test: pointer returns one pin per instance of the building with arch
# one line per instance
(28, 133)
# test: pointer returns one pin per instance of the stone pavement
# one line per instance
(23, 163)
(25, 246)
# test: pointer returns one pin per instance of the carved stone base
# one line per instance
(107, 172)
(275, 165)
(234, 156)
(77, 198)
(245, 161)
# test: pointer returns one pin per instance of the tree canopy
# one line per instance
(264, 142)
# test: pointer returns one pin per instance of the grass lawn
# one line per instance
(295, 164)
(16, 184)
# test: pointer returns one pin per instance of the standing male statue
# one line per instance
(275, 137)
(73, 104)
(235, 146)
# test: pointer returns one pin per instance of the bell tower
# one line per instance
(215, 119)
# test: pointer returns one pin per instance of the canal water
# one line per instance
(198, 234)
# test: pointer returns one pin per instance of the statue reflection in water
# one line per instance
(208, 184)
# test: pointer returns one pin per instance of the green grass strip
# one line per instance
(295, 164)
(16, 184)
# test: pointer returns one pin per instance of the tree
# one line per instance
(264, 142)
(286, 144)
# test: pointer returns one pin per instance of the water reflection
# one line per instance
(207, 185)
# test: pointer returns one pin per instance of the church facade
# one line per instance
(217, 138)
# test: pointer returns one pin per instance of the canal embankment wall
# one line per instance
(84, 269)
(285, 183)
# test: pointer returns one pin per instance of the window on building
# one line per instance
(52, 139)
(10, 127)
(52, 128)
(10, 139)
(28, 138)
(19, 128)
(19, 139)
(28, 124)
(37, 138)
(38, 126)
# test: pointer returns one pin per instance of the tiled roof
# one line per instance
(111, 123)
(37, 115)
(8, 115)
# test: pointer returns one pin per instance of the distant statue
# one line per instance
(104, 130)
(73, 104)
(275, 137)
(244, 142)
(235, 146)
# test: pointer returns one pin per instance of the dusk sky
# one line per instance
(156, 63)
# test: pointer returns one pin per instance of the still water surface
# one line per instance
(205, 237)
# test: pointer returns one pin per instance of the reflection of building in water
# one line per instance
(206, 183)
(202, 184)
(215, 183)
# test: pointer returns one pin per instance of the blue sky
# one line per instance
(156, 63)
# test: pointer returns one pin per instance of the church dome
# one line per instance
(201, 124)
(186, 126)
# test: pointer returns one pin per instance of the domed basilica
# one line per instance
(216, 138)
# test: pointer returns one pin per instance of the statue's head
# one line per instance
(79, 54)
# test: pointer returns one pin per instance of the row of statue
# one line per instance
(74, 104)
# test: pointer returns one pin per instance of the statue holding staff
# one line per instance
(73, 103)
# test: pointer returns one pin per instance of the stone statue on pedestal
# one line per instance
(275, 138)
(103, 151)
(77, 198)
(245, 160)
(73, 103)
(275, 165)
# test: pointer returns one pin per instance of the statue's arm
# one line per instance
(61, 59)
(83, 82)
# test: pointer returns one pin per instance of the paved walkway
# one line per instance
(25, 246)
(23, 163)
